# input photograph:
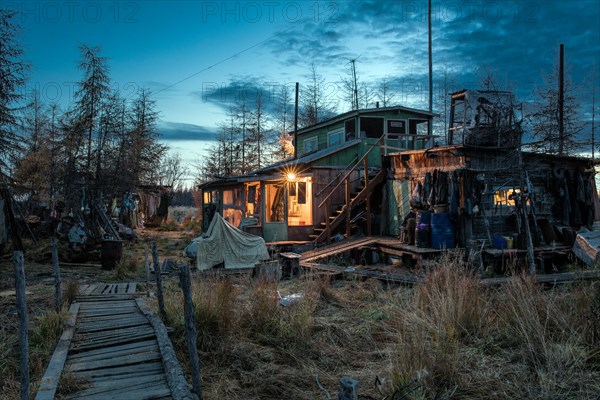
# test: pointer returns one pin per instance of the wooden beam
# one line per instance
(49, 382)
(173, 371)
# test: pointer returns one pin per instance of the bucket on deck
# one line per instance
(423, 217)
(423, 235)
(110, 253)
(442, 231)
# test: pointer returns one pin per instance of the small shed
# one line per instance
(480, 189)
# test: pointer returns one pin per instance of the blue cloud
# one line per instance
(171, 131)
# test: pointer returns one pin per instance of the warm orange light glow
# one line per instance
(291, 176)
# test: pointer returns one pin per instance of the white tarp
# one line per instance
(587, 247)
(223, 242)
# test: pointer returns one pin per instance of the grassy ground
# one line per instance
(448, 338)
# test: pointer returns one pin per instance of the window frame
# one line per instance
(314, 140)
(339, 133)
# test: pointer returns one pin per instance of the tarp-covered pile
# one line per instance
(224, 243)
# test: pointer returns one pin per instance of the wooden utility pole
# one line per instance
(18, 264)
(355, 83)
(429, 127)
(593, 123)
(561, 100)
(296, 122)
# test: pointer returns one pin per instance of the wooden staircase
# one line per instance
(354, 201)
(354, 205)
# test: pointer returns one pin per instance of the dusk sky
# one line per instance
(196, 56)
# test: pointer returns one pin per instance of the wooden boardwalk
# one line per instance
(116, 348)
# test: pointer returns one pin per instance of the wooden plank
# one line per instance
(90, 289)
(82, 289)
(142, 392)
(124, 385)
(132, 288)
(49, 382)
(126, 374)
(103, 317)
(128, 304)
(129, 359)
(104, 327)
(121, 288)
(337, 247)
(110, 373)
(111, 333)
(175, 375)
(114, 353)
(103, 297)
(113, 349)
(106, 336)
(90, 321)
(96, 344)
(99, 288)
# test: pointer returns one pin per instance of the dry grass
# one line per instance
(127, 266)
(70, 292)
(70, 383)
(448, 338)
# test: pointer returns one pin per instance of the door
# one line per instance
(275, 228)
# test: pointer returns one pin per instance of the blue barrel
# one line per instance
(423, 217)
(423, 235)
(442, 231)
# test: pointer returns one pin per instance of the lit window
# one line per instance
(505, 197)
(300, 202)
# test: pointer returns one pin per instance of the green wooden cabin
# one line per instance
(294, 200)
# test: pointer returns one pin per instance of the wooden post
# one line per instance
(190, 329)
(348, 211)
(56, 269)
(147, 265)
(23, 322)
(159, 286)
(327, 215)
(368, 197)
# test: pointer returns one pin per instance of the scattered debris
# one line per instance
(291, 299)
(587, 247)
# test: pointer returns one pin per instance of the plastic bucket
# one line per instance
(110, 253)
(442, 231)
(423, 217)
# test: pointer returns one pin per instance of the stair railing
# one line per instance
(346, 180)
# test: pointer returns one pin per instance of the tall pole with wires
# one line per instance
(355, 83)
(429, 127)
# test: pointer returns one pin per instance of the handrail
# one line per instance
(351, 170)
(334, 179)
